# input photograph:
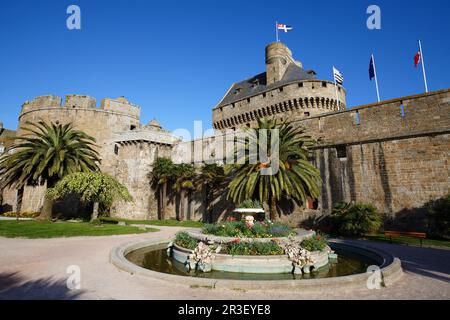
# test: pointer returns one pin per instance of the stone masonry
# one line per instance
(394, 154)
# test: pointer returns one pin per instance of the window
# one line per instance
(116, 149)
(306, 114)
(341, 152)
(300, 85)
(324, 84)
(264, 95)
(281, 89)
(232, 105)
(221, 109)
(248, 125)
(402, 111)
(357, 118)
(132, 127)
(248, 100)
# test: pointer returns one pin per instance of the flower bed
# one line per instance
(253, 248)
(239, 229)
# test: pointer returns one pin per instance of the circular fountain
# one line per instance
(203, 259)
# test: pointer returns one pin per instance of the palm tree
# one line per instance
(296, 178)
(184, 183)
(211, 180)
(47, 152)
(162, 173)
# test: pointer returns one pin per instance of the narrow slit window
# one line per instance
(402, 110)
(357, 118)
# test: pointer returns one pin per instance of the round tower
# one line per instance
(278, 59)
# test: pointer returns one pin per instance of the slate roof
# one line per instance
(258, 84)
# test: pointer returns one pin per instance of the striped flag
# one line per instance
(338, 77)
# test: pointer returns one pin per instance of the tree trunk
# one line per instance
(19, 201)
(181, 216)
(163, 206)
(95, 211)
(273, 209)
(47, 207)
(160, 196)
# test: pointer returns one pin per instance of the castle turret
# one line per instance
(278, 59)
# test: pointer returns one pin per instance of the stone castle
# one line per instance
(394, 154)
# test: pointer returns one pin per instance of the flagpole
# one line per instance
(335, 88)
(376, 78)
(276, 30)
(423, 67)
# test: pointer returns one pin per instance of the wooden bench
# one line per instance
(419, 235)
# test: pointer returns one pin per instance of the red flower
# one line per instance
(237, 240)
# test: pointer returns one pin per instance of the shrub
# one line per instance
(21, 214)
(250, 204)
(253, 248)
(355, 219)
(438, 214)
(184, 240)
(278, 229)
(316, 243)
(238, 229)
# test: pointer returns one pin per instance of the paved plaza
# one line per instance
(37, 269)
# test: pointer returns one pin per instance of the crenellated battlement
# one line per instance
(77, 102)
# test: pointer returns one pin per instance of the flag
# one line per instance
(338, 77)
(371, 69)
(417, 58)
(284, 27)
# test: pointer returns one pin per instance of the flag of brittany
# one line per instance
(338, 77)
(284, 27)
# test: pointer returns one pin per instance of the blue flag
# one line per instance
(371, 69)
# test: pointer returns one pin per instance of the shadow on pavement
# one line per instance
(13, 286)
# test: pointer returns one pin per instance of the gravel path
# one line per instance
(37, 269)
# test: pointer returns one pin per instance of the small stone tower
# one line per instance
(278, 59)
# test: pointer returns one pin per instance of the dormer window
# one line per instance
(255, 83)
(237, 91)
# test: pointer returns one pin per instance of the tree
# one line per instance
(162, 173)
(211, 180)
(47, 152)
(296, 178)
(91, 187)
(184, 175)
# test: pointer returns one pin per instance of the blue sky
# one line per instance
(177, 58)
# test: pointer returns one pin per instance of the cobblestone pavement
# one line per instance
(37, 269)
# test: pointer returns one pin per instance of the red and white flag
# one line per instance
(417, 58)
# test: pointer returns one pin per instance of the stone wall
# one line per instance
(297, 100)
(393, 154)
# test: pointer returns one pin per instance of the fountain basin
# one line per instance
(253, 264)
(390, 269)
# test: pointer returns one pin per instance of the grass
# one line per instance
(410, 241)
(161, 223)
(46, 229)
